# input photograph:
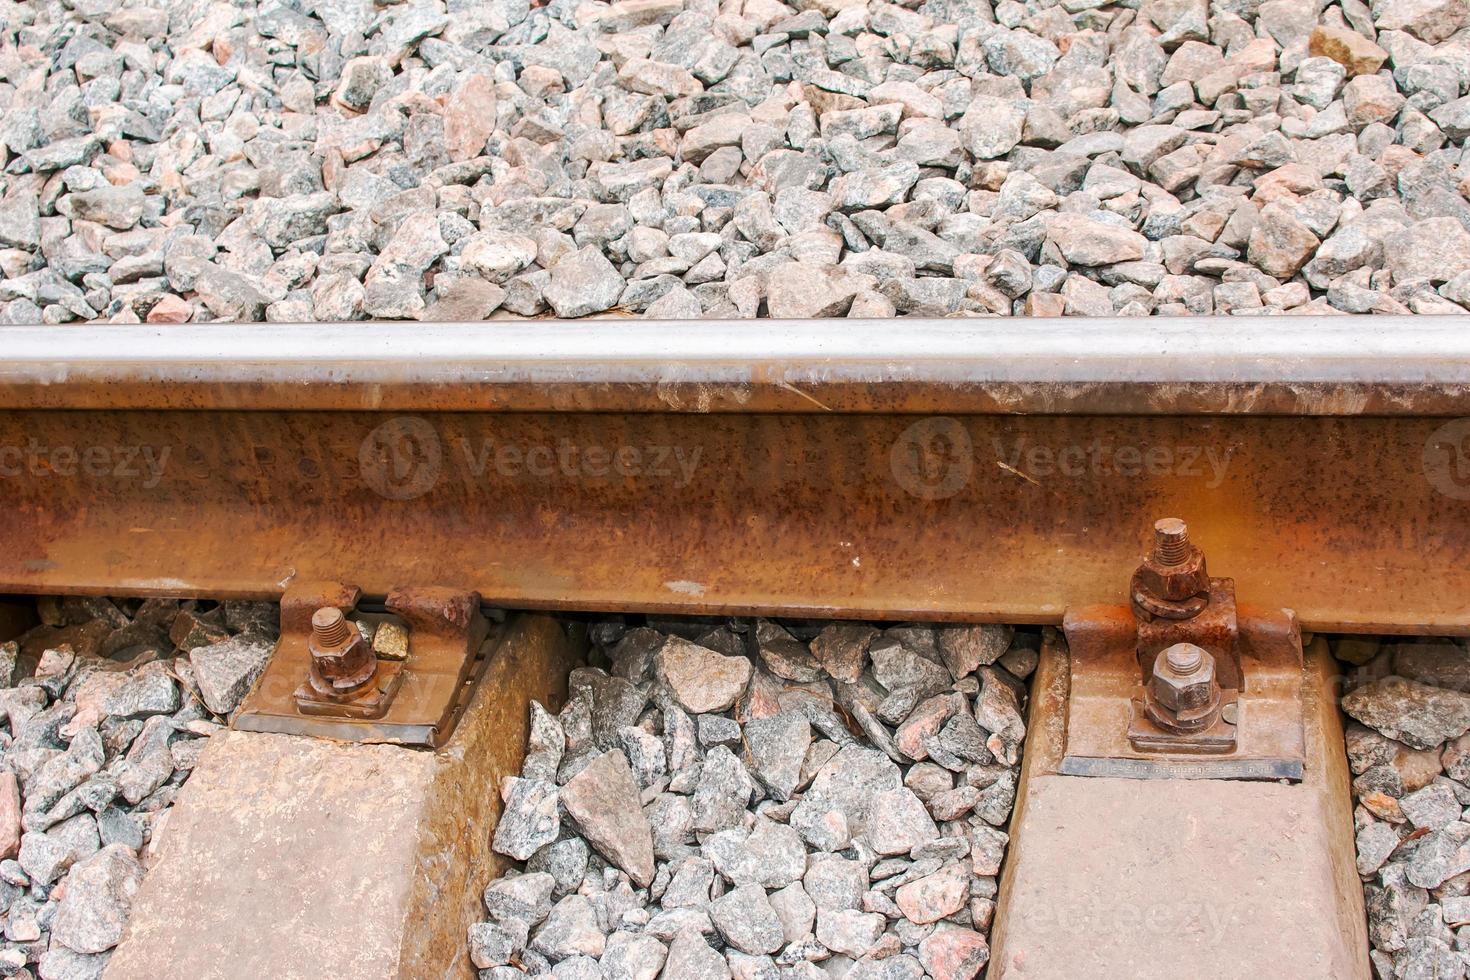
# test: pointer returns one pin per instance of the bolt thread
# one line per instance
(1171, 542)
(330, 628)
(1183, 658)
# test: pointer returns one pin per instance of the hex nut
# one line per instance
(1174, 583)
(341, 660)
(1183, 692)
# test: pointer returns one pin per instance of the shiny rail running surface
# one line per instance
(949, 470)
(1241, 365)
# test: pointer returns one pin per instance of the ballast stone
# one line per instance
(777, 835)
(225, 671)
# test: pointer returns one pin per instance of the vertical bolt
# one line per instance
(1171, 542)
(341, 662)
(329, 628)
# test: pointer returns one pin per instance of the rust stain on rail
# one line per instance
(770, 388)
(1358, 523)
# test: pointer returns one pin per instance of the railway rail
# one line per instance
(949, 470)
(432, 476)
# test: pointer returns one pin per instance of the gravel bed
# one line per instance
(1410, 755)
(299, 160)
(105, 709)
(760, 800)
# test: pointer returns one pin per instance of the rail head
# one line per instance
(1390, 365)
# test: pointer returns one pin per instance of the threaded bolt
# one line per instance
(1171, 542)
(1183, 658)
(329, 628)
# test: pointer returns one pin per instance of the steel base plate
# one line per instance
(423, 696)
(1104, 736)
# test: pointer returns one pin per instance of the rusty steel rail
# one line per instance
(944, 470)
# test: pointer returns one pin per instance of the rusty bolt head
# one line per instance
(340, 658)
(1183, 678)
(1175, 569)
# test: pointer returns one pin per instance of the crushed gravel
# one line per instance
(762, 799)
(105, 708)
(299, 160)
(1409, 752)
